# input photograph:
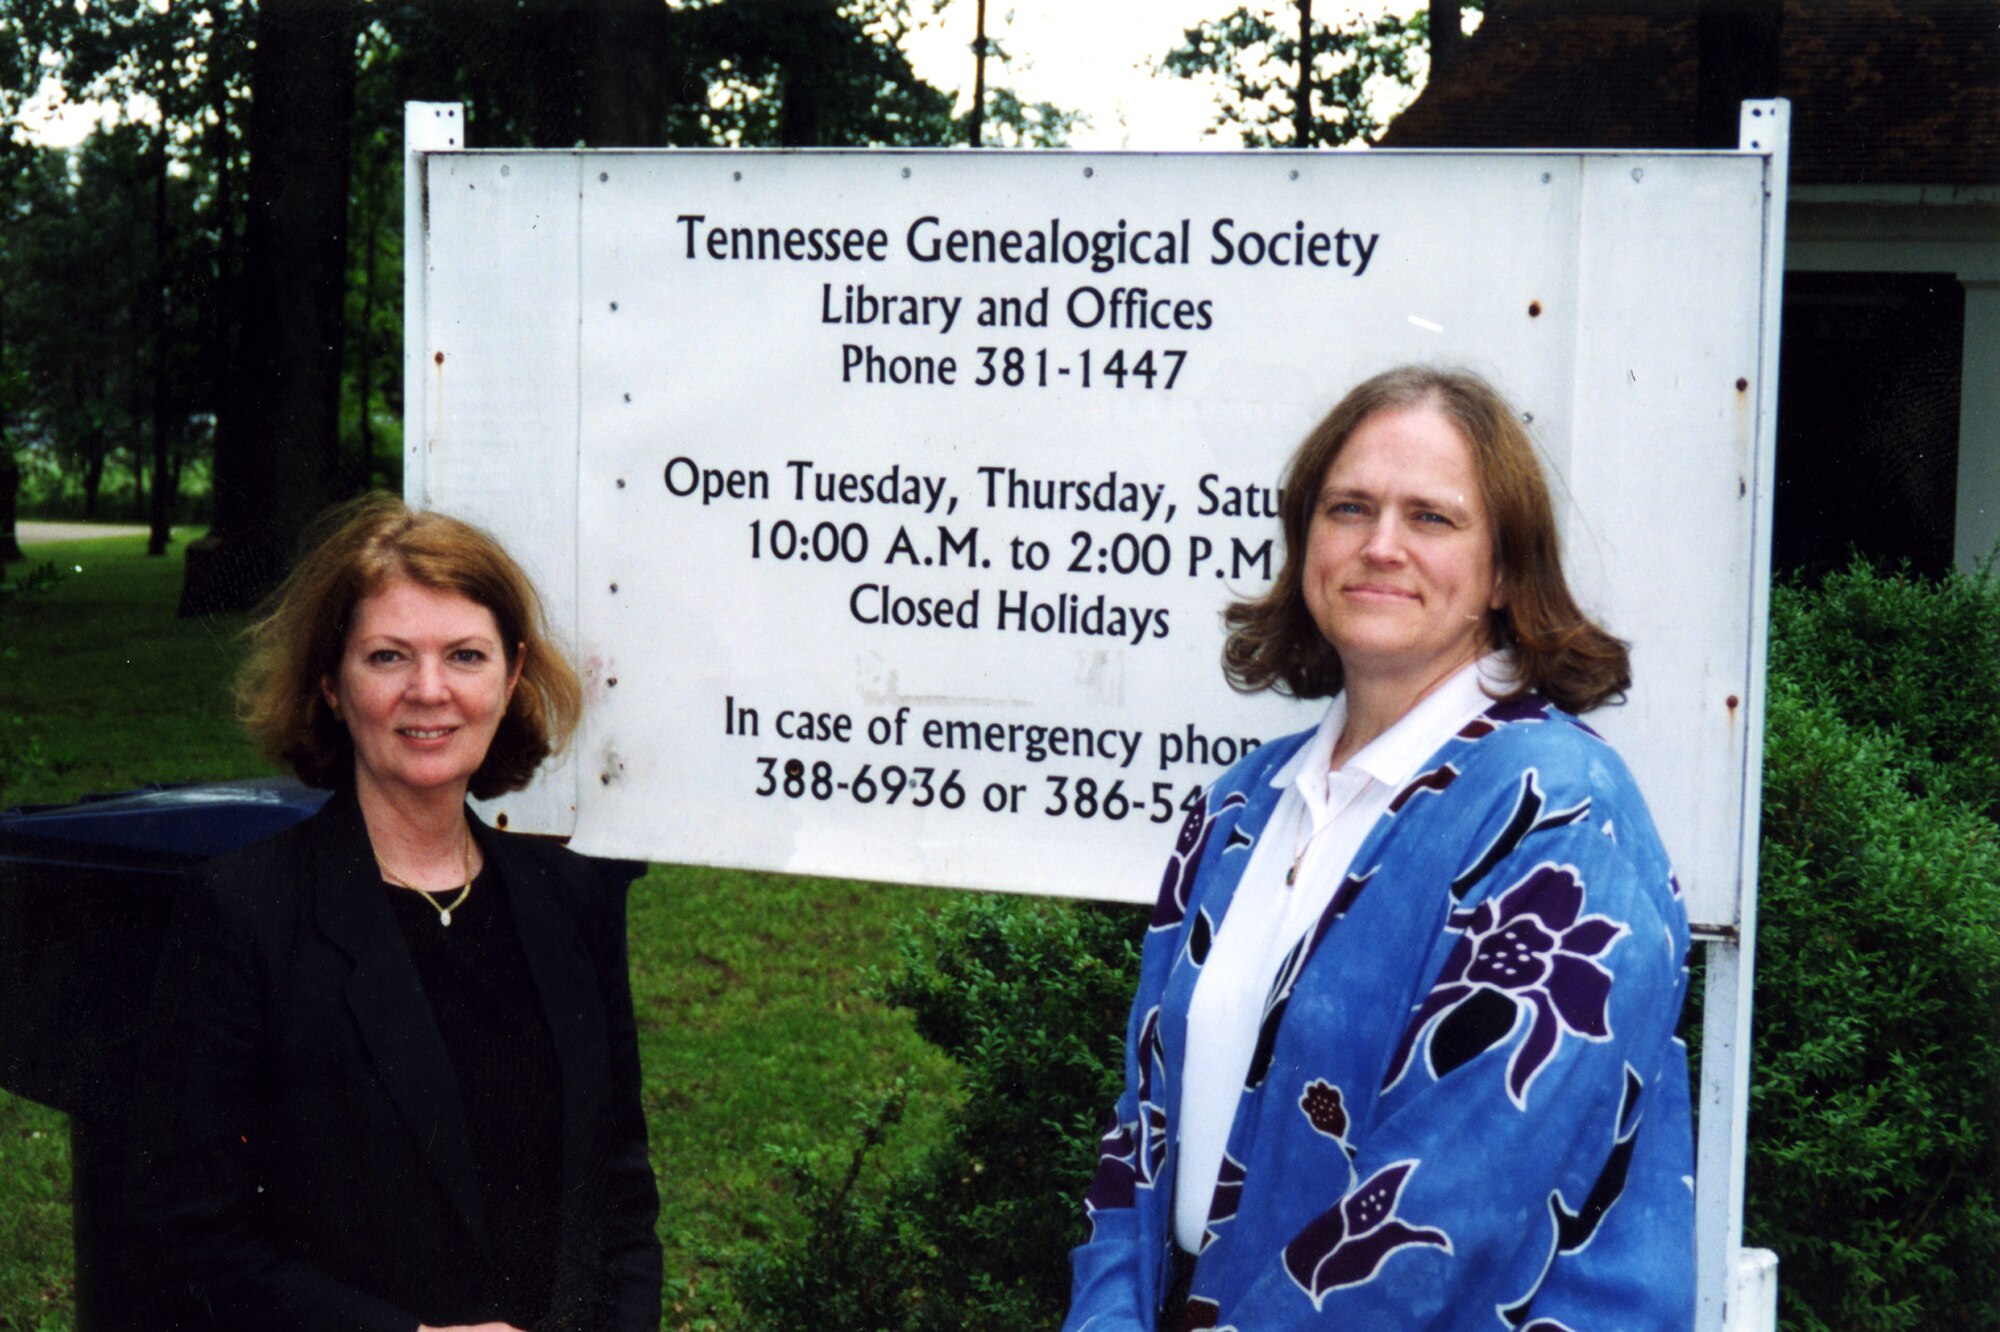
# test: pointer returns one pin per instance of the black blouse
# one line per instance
(483, 998)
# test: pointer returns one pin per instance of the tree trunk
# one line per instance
(370, 220)
(93, 473)
(10, 499)
(634, 72)
(979, 78)
(799, 112)
(219, 325)
(554, 114)
(163, 332)
(10, 470)
(1302, 107)
(1447, 33)
(281, 467)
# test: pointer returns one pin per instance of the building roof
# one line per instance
(1883, 93)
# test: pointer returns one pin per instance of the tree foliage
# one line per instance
(1252, 53)
(109, 306)
(307, 406)
(1013, 123)
(801, 73)
(94, 355)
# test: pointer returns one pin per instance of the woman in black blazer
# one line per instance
(393, 1080)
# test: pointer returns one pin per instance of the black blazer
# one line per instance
(303, 1158)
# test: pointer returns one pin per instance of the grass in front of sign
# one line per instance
(112, 689)
(756, 1034)
(37, 1291)
(756, 1028)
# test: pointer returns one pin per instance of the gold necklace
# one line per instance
(1302, 844)
(444, 912)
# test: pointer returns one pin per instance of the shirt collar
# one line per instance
(1393, 756)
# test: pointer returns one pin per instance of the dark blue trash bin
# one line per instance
(85, 892)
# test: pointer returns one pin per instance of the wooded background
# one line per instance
(200, 303)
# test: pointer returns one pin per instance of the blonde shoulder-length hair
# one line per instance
(352, 552)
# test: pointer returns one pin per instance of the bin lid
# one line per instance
(161, 826)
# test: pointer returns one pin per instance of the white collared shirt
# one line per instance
(1320, 822)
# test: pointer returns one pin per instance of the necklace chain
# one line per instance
(444, 912)
(1301, 843)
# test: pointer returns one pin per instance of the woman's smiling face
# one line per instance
(422, 685)
(1399, 573)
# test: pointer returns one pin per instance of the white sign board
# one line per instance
(890, 500)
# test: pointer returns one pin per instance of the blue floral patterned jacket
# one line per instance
(1467, 1108)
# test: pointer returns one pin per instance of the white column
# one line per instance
(427, 127)
(1978, 525)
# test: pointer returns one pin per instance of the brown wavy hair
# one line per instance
(1558, 651)
(353, 551)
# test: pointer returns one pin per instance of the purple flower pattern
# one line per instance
(1574, 1228)
(1526, 708)
(1170, 908)
(1151, 1130)
(1348, 1243)
(1525, 821)
(1131, 1154)
(1201, 1316)
(1115, 1184)
(1534, 948)
(1228, 1196)
(1326, 1110)
(1431, 782)
(1201, 937)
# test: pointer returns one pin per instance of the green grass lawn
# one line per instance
(755, 1025)
(115, 689)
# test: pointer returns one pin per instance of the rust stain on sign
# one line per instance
(437, 402)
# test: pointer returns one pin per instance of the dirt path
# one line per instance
(39, 534)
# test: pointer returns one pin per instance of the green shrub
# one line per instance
(1030, 998)
(1872, 1154)
(1912, 661)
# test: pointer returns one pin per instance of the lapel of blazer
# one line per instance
(389, 1005)
(570, 999)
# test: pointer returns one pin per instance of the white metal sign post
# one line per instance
(891, 499)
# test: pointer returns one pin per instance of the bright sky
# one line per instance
(1094, 56)
(56, 123)
(1097, 56)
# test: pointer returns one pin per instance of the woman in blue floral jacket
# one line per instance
(1403, 1050)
